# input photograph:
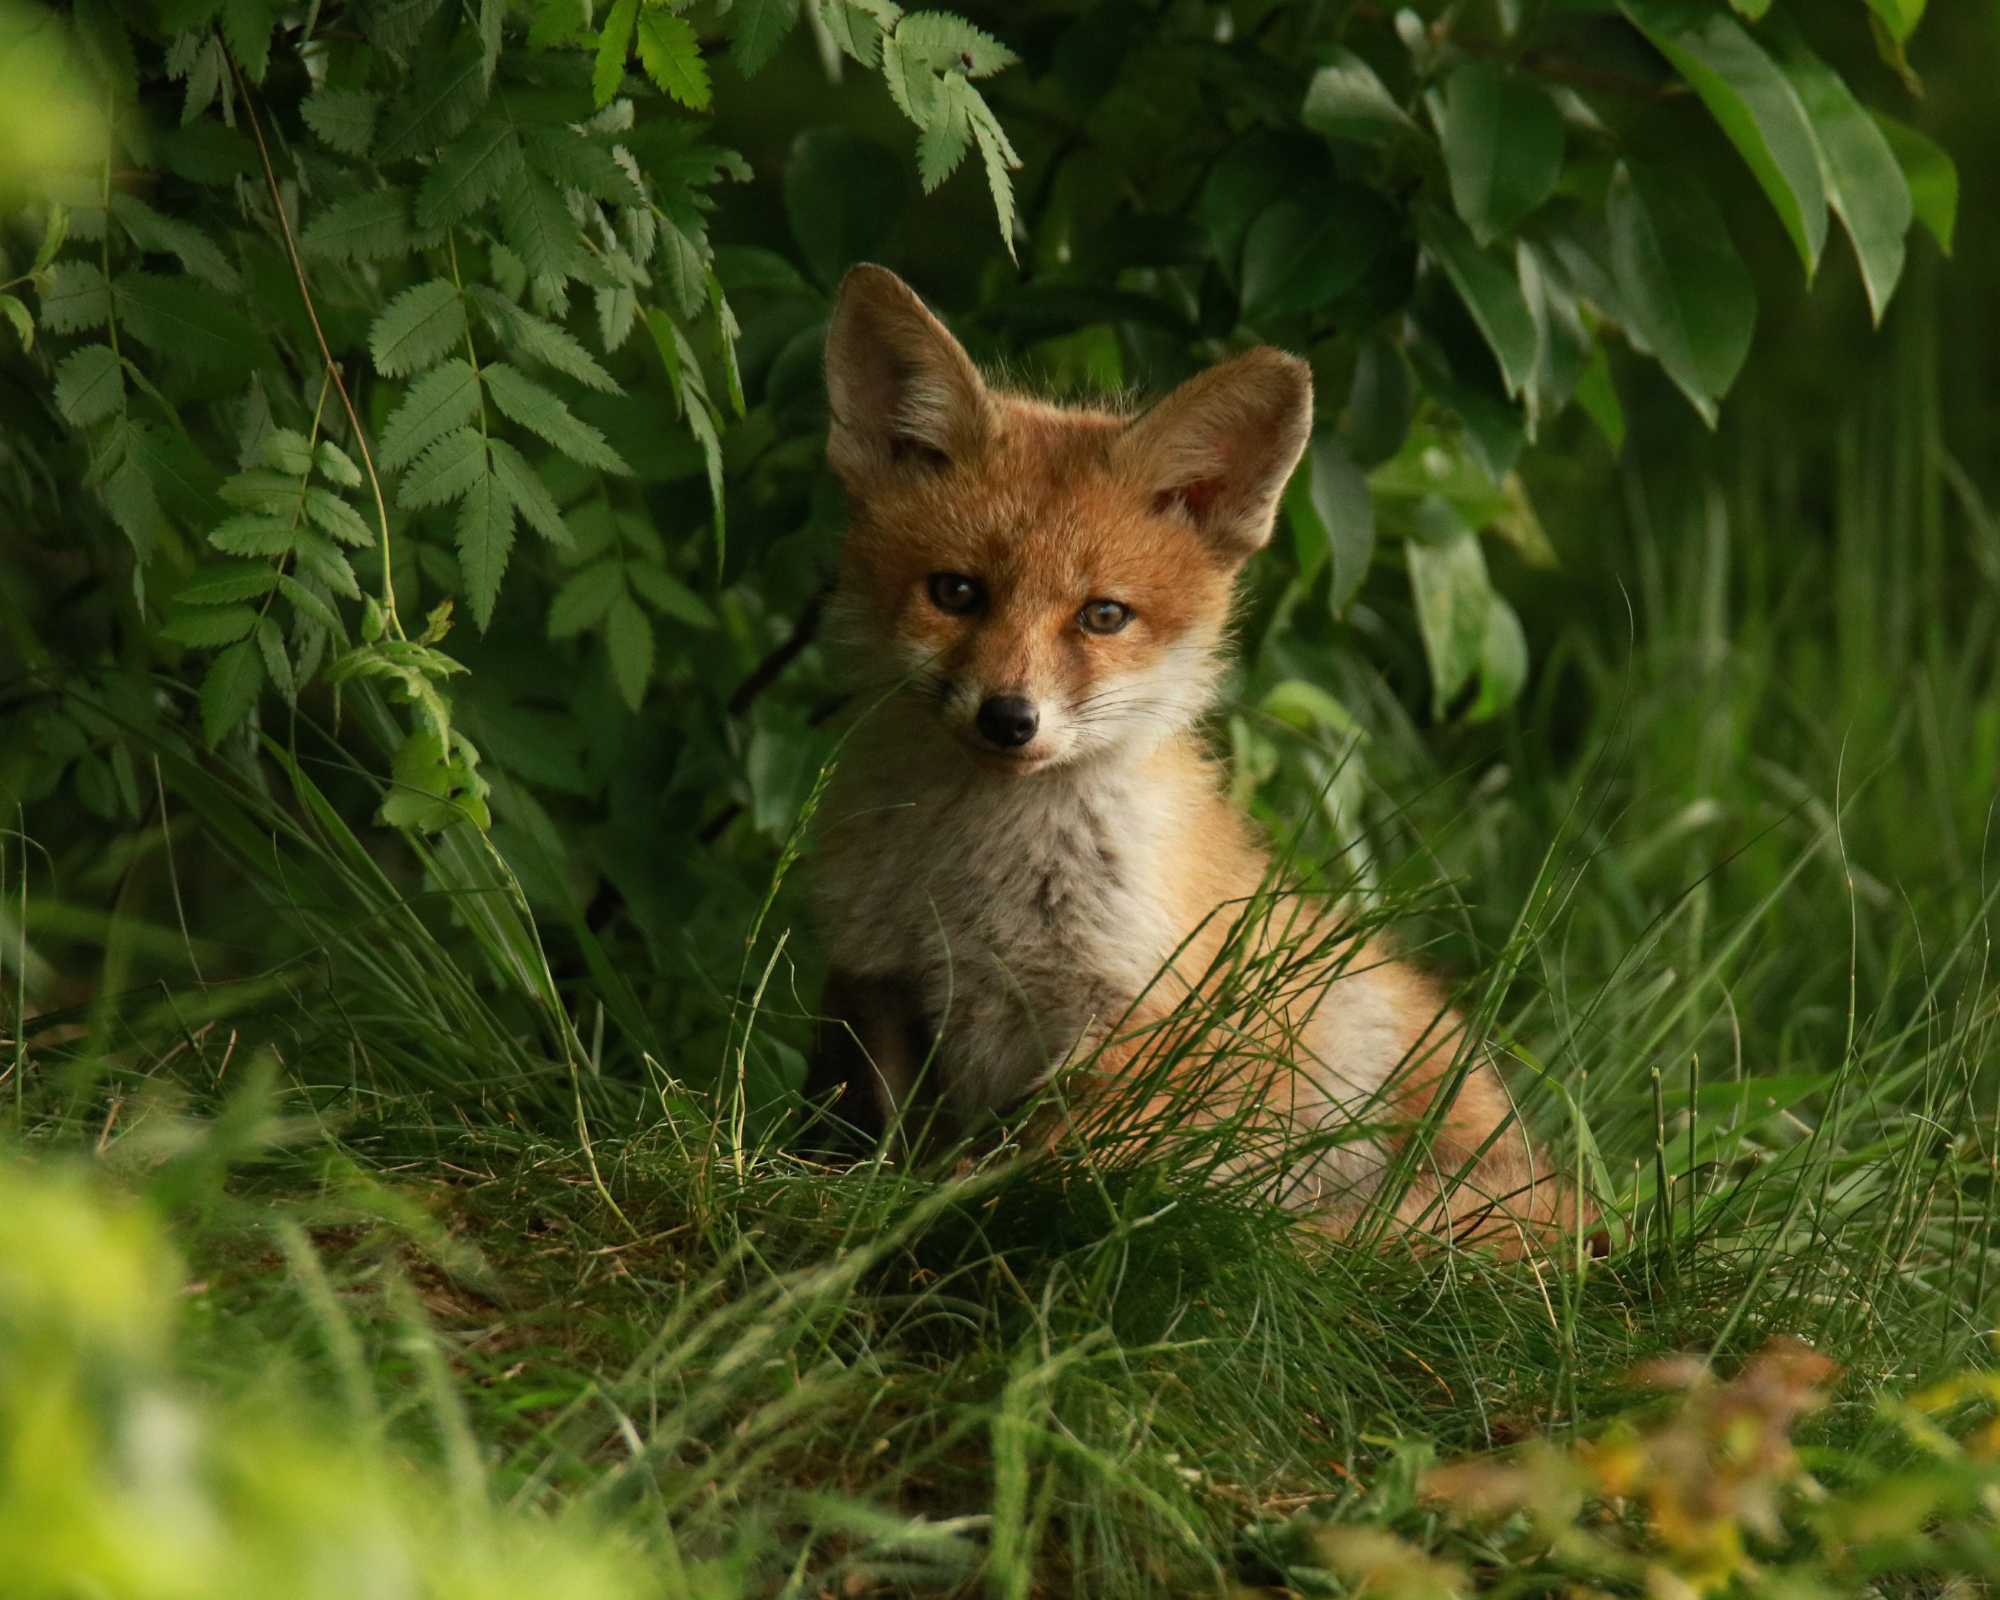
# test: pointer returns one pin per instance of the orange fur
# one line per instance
(1027, 859)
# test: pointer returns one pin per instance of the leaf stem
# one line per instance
(389, 617)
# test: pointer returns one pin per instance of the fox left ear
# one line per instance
(1219, 449)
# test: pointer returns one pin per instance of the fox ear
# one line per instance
(901, 390)
(1218, 450)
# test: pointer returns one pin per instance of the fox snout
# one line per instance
(1007, 721)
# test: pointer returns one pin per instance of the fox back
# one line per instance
(1026, 846)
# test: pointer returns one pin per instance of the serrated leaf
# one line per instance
(945, 43)
(246, 24)
(440, 103)
(1864, 183)
(583, 601)
(75, 296)
(342, 119)
(90, 384)
(336, 466)
(180, 319)
(337, 517)
(472, 170)
(999, 158)
(538, 226)
(530, 495)
(258, 534)
(485, 535)
(271, 646)
(1755, 105)
(320, 558)
(308, 604)
(671, 55)
(444, 471)
(231, 580)
(1453, 596)
(289, 451)
(1490, 292)
(397, 25)
(668, 594)
(273, 493)
(539, 411)
(527, 335)
(756, 29)
(1930, 173)
(629, 638)
(442, 399)
(152, 232)
(947, 135)
(205, 626)
(558, 22)
(570, 158)
(363, 227)
(230, 689)
(1681, 279)
(416, 328)
(1503, 146)
(614, 43)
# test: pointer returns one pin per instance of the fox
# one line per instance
(1027, 865)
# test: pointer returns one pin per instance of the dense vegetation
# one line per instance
(412, 523)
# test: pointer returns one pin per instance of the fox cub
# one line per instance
(1026, 858)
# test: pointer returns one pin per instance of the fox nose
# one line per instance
(1007, 720)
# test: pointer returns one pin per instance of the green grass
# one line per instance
(1720, 895)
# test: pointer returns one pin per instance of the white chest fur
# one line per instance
(1025, 911)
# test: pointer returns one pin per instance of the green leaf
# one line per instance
(1598, 396)
(1899, 17)
(443, 97)
(1863, 181)
(1340, 500)
(246, 24)
(337, 517)
(90, 384)
(444, 471)
(1503, 662)
(1930, 173)
(204, 626)
(231, 580)
(230, 689)
(335, 465)
(539, 411)
(669, 595)
(1681, 280)
(1490, 292)
(529, 336)
(190, 324)
(17, 314)
(583, 601)
(342, 119)
(1449, 584)
(258, 534)
(1346, 100)
(318, 557)
(152, 232)
(271, 646)
(1302, 254)
(444, 398)
(1562, 342)
(756, 29)
(289, 452)
(581, 163)
(363, 227)
(416, 328)
(275, 493)
(538, 226)
(75, 297)
(949, 44)
(999, 159)
(613, 45)
(1503, 146)
(629, 637)
(471, 172)
(947, 134)
(671, 55)
(530, 495)
(1755, 105)
(485, 535)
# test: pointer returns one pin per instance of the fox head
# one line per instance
(1053, 582)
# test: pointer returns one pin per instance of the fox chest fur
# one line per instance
(1024, 918)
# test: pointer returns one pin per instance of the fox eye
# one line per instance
(1104, 616)
(955, 594)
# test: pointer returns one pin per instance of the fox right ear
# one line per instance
(901, 390)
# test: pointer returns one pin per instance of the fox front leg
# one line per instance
(872, 1045)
